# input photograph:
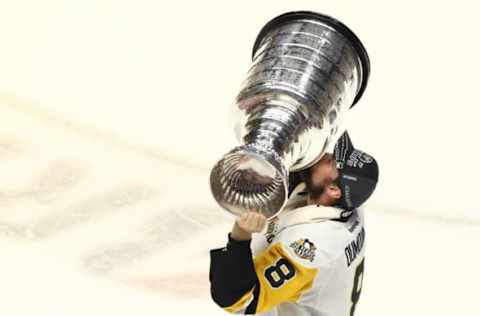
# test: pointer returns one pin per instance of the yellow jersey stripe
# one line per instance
(241, 303)
(278, 283)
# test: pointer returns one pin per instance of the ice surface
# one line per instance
(91, 225)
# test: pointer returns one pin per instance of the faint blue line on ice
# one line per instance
(96, 133)
(179, 161)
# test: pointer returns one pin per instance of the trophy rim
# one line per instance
(339, 26)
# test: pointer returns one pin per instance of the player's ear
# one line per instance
(334, 191)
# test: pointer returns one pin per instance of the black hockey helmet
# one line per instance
(357, 173)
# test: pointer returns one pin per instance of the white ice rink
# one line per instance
(113, 112)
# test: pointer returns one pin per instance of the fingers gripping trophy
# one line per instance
(308, 70)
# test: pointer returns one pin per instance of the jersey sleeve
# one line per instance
(286, 270)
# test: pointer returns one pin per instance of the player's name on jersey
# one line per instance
(355, 247)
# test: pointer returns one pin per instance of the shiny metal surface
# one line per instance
(308, 69)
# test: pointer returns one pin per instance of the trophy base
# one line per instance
(327, 20)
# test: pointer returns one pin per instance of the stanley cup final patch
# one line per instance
(304, 248)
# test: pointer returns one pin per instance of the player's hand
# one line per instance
(252, 222)
(248, 223)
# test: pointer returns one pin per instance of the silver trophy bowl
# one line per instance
(308, 70)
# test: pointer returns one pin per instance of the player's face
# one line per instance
(324, 172)
(322, 175)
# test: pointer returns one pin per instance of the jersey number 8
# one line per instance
(279, 273)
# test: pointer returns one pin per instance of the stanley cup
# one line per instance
(308, 71)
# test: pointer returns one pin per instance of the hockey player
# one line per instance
(310, 260)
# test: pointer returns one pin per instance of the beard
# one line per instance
(315, 191)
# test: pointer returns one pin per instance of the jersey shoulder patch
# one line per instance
(314, 244)
(304, 248)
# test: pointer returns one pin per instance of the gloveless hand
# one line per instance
(248, 223)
